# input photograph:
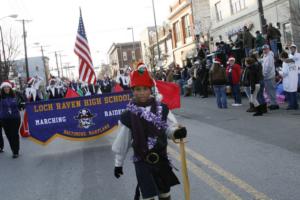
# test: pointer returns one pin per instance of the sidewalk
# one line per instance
(278, 127)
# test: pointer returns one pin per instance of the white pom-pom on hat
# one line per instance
(6, 84)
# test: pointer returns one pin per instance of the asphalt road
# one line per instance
(231, 155)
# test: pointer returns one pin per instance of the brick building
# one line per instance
(124, 55)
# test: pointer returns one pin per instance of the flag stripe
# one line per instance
(83, 56)
(83, 41)
(87, 75)
(82, 50)
(82, 70)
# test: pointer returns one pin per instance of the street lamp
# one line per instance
(154, 15)
(3, 50)
(133, 45)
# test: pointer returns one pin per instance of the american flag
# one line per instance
(82, 50)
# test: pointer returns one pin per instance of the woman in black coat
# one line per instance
(10, 104)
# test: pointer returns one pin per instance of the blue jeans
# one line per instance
(180, 82)
(270, 86)
(247, 50)
(260, 96)
(292, 100)
(247, 91)
(220, 92)
(236, 93)
(274, 48)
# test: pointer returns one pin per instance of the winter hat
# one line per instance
(141, 77)
(30, 80)
(293, 45)
(6, 83)
(217, 60)
(231, 58)
(266, 46)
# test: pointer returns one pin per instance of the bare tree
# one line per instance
(12, 51)
(150, 56)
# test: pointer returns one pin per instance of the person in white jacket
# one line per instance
(146, 125)
(295, 55)
(269, 76)
(290, 80)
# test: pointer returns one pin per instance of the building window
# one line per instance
(177, 32)
(124, 55)
(187, 26)
(218, 11)
(133, 55)
(237, 5)
(287, 33)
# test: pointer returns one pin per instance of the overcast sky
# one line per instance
(54, 23)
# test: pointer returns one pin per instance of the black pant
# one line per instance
(1, 138)
(204, 89)
(11, 129)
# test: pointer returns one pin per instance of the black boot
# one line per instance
(251, 109)
(264, 108)
(165, 198)
(258, 111)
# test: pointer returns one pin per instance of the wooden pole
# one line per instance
(185, 177)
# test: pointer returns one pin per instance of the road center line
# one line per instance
(217, 186)
(229, 176)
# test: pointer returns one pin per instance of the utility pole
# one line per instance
(62, 70)
(57, 68)
(122, 61)
(25, 45)
(44, 63)
(261, 15)
(158, 50)
(133, 43)
(43, 59)
(1, 68)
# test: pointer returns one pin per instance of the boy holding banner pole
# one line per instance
(146, 125)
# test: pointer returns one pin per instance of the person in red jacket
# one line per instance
(233, 72)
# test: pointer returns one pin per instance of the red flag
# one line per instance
(170, 93)
(24, 129)
(71, 93)
(118, 88)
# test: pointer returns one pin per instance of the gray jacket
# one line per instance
(268, 66)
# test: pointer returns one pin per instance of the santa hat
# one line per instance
(141, 77)
(231, 58)
(6, 84)
(30, 80)
(217, 60)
